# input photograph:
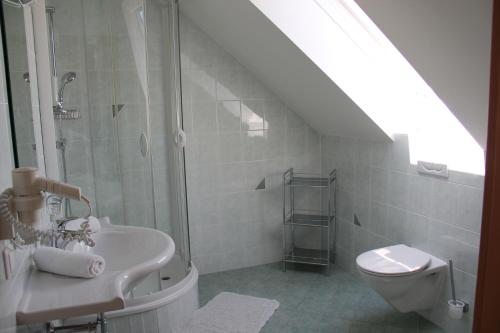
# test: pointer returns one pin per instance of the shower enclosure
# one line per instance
(116, 109)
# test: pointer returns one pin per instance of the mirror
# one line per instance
(18, 68)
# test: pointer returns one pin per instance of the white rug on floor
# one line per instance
(232, 313)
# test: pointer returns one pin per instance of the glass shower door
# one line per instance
(117, 113)
(167, 137)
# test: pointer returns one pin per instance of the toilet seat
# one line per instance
(397, 260)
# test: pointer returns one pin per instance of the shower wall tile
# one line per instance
(69, 50)
(229, 116)
(92, 40)
(100, 87)
(128, 87)
(69, 19)
(238, 134)
(95, 18)
(395, 204)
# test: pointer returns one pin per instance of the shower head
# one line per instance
(67, 78)
(26, 77)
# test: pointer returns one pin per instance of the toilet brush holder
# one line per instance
(456, 308)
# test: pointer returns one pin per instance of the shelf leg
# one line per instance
(327, 270)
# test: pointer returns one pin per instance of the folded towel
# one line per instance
(67, 263)
(75, 224)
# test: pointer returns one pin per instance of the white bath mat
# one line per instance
(232, 313)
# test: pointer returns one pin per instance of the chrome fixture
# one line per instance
(26, 77)
(50, 11)
(59, 111)
(59, 233)
(66, 79)
(454, 300)
(94, 326)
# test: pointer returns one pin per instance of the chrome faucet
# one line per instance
(59, 232)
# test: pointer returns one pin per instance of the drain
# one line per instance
(165, 278)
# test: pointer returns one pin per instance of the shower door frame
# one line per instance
(40, 88)
(177, 131)
(40, 72)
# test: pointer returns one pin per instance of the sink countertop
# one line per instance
(53, 297)
(131, 254)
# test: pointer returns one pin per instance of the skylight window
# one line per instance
(350, 49)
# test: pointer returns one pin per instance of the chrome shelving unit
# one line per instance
(321, 220)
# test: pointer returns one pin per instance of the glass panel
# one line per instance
(113, 63)
(101, 108)
(20, 84)
(117, 113)
(166, 123)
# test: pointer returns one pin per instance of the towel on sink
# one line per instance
(67, 263)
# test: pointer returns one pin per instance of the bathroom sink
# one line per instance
(135, 252)
(131, 254)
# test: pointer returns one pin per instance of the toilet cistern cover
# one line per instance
(394, 260)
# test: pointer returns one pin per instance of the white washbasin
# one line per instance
(131, 254)
(134, 252)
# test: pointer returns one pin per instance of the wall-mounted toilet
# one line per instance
(407, 278)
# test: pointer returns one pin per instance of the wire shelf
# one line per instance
(307, 256)
(309, 181)
(323, 220)
(308, 220)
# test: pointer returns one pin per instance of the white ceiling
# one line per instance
(446, 41)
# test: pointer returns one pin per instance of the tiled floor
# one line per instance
(314, 302)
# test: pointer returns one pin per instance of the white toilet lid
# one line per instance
(393, 260)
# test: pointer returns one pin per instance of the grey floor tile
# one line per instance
(314, 302)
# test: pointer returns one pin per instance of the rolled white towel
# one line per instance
(67, 263)
(75, 225)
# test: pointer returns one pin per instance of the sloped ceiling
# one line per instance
(446, 41)
(242, 30)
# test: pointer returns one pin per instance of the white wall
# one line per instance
(448, 42)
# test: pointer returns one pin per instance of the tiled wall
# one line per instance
(395, 204)
(238, 133)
